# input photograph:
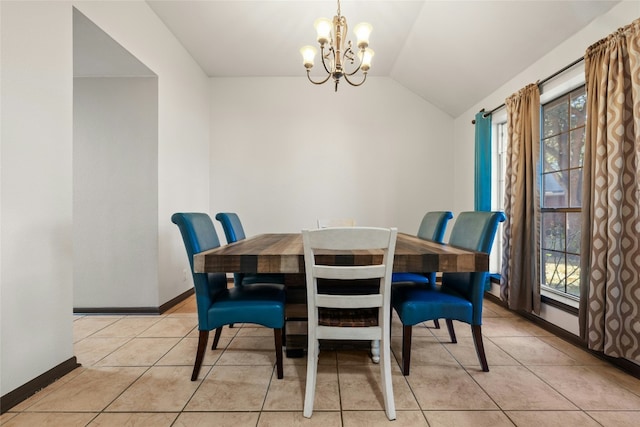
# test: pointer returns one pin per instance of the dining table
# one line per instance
(283, 253)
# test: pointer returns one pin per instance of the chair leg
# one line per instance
(406, 349)
(386, 378)
(277, 336)
(202, 347)
(313, 348)
(436, 323)
(452, 332)
(284, 333)
(477, 339)
(216, 338)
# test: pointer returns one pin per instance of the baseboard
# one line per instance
(27, 390)
(135, 310)
(116, 310)
(620, 363)
(175, 301)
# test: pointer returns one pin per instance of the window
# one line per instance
(562, 152)
(563, 118)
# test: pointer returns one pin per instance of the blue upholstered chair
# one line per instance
(218, 305)
(432, 227)
(234, 231)
(461, 294)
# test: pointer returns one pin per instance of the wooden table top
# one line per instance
(283, 253)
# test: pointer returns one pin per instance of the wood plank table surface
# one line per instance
(283, 253)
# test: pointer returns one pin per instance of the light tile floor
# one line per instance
(136, 372)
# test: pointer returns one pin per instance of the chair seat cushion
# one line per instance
(348, 317)
(263, 305)
(416, 304)
(409, 277)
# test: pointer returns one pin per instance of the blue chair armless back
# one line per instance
(199, 234)
(433, 225)
(233, 231)
(476, 231)
(232, 226)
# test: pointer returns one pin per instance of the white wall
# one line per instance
(115, 192)
(570, 50)
(36, 94)
(183, 132)
(285, 152)
(35, 333)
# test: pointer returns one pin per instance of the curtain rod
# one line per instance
(540, 82)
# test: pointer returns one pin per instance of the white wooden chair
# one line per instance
(350, 222)
(349, 317)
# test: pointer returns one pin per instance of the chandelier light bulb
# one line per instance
(362, 32)
(323, 28)
(308, 55)
(366, 59)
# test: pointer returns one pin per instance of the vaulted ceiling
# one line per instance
(451, 53)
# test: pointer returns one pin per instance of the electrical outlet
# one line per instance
(185, 275)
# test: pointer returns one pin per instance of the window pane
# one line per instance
(578, 109)
(554, 187)
(553, 231)
(577, 148)
(573, 275)
(550, 148)
(553, 269)
(574, 222)
(555, 117)
(575, 191)
(556, 153)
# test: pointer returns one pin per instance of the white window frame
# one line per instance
(572, 81)
(498, 160)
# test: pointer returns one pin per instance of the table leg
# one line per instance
(375, 351)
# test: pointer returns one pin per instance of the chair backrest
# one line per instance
(434, 225)
(333, 243)
(198, 235)
(336, 222)
(232, 226)
(233, 232)
(476, 231)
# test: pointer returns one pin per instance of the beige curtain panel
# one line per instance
(610, 268)
(520, 285)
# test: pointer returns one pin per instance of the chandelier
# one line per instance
(335, 53)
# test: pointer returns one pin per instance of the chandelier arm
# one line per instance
(359, 65)
(322, 56)
(318, 82)
(364, 78)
